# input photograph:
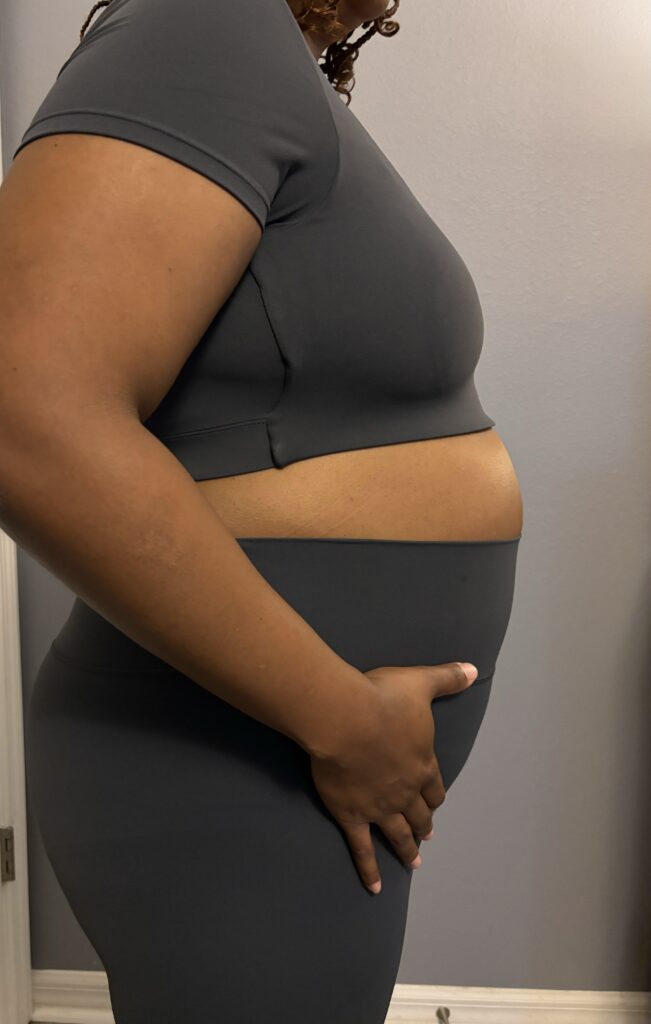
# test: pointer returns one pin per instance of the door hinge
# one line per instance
(7, 863)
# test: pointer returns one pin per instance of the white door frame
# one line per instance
(15, 951)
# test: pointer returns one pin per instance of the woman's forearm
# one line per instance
(103, 505)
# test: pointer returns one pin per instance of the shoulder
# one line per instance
(233, 30)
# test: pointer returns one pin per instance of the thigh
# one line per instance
(189, 838)
(198, 859)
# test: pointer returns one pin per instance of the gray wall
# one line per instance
(525, 128)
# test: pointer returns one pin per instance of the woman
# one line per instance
(242, 426)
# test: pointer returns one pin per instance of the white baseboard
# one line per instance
(417, 1004)
(82, 997)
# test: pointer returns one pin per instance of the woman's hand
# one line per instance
(386, 771)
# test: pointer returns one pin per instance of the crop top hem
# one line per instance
(141, 133)
(239, 448)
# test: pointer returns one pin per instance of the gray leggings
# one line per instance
(188, 837)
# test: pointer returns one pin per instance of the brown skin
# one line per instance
(353, 13)
(92, 337)
(366, 781)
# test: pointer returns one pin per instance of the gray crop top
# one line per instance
(356, 323)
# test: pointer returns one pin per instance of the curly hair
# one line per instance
(321, 16)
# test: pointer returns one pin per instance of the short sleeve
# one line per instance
(228, 88)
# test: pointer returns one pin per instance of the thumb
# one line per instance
(452, 677)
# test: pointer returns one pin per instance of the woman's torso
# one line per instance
(355, 331)
(462, 487)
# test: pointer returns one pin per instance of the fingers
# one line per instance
(404, 831)
(363, 851)
(419, 817)
(400, 834)
(433, 791)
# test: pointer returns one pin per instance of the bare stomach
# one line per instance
(446, 488)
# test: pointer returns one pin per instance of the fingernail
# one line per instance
(375, 886)
(471, 670)
(416, 862)
(429, 834)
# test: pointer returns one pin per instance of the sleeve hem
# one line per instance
(160, 141)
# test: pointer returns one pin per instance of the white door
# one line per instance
(15, 952)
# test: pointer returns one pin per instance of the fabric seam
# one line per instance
(285, 362)
(208, 430)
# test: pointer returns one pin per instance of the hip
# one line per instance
(375, 602)
(167, 812)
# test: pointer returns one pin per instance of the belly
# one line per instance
(445, 488)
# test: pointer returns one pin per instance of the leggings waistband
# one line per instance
(351, 591)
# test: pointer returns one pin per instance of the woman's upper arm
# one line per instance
(114, 260)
